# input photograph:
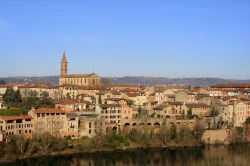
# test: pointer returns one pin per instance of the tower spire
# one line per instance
(64, 65)
(64, 56)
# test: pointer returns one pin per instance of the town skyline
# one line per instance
(126, 38)
(124, 82)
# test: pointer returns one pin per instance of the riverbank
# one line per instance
(73, 152)
(46, 145)
(132, 148)
(189, 156)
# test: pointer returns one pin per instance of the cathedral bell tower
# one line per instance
(64, 65)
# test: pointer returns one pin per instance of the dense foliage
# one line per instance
(46, 143)
(14, 101)
(2, 82)
(12, 97)
(247, 121)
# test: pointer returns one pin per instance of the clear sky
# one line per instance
(170, 38)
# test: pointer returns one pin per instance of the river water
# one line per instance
(214, 156)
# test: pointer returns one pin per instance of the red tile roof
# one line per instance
(48, 110)
(232, 85)
(16, 117)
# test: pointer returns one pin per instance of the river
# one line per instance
(213, 156)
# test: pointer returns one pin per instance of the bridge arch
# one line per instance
(157, 124)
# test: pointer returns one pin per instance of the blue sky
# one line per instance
(170, 38)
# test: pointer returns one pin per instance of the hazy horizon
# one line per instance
(136, 76)
(173, 39)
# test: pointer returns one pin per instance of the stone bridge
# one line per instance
(129, 124)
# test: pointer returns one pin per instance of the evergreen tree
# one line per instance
(18, 97)
(99, 99)
(2, 82)
(11, 96)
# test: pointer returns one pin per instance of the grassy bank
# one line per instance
(11, 111)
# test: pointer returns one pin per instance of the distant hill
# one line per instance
(172, 81)
(53, 80)
(131, 80)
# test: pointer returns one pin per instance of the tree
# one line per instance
(21, 143)
(214, 113)
(139, 111)
(173, 132)
(100, 140)
(164, 134)
(130, 102)
(47, 140)
(33, 93)
(189, 113)
(18, 97)
(185, 134)
(11, 96)
(100, 99)
(45, 100)
(247, 122)
(68, 96)
(30, 102)
(2, 82)
(198, 130)
(115, 140)
(44, 95)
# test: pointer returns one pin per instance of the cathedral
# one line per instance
(76, 79)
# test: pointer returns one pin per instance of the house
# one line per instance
(199, 109)
(215, 92)
(52, 120)
(169, 109)
(39, 90)
(137, 98)
(119, 101)
(17, 125)
(84, 124)
(181, 96)
(114, 94)
(72, 105)
(115, 113)
(241, 112)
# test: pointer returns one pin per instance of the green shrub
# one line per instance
(115, 140)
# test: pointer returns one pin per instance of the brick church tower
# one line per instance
(64, 65)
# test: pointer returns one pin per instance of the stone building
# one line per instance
(84, 124)
(50, 120)
(76, 79)
(17, 125)
(115, 113)
(241, 112)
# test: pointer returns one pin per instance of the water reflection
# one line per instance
(213, 156)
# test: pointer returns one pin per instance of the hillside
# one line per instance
(130, 80)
